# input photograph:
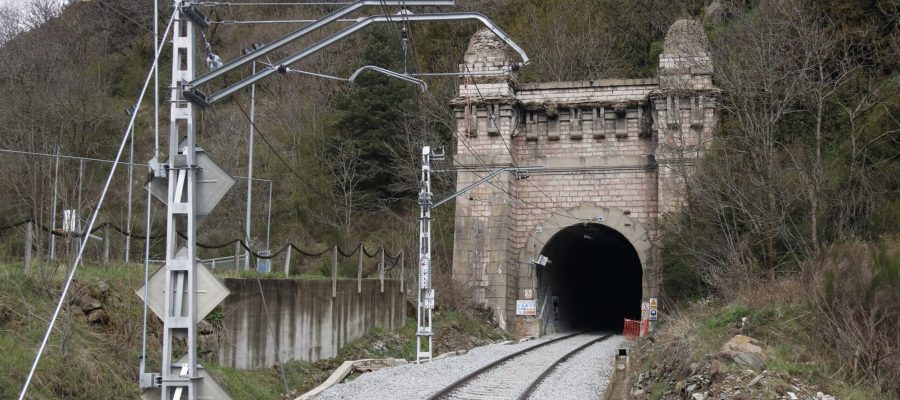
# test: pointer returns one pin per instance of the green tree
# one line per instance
(370, 112)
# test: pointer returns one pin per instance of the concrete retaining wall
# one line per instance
(308, 323)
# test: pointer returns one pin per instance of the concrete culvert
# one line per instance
(594, 277)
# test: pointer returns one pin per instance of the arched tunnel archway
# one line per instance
(593, 278)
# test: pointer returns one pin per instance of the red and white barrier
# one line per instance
(635, 329)
(632, 329)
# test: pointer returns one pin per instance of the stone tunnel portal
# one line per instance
(593, 278)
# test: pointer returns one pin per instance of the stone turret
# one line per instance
(685, 62)
(487, 64)
(684, 105)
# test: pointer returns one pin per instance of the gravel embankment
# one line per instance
(585, 375)
(413, 381)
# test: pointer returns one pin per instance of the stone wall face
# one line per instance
(617, 147)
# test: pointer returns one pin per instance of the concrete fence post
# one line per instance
(127, 255)
(359, 267)
(105, 244)
(29, 236)
(334, 265)
(237, 255)
(402, 272)
(287, 262)
(381, 269)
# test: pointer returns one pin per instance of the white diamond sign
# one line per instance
(210, 291)
(212, 184)
(207, 388)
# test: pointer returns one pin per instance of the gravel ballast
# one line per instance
(413, 381)
(585, 375)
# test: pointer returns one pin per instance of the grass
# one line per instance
(90, 362)
(80, 361)
(85, 361)
(785, 324)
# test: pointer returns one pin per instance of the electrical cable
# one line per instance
(274, 21)
(466, 143)
(280, 157)
(103, 3)
(238, 4)
(512, 157)
(272, 333)
(476, 155)
(93, 219)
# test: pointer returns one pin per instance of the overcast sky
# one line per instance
(19, 3)
(5, 2)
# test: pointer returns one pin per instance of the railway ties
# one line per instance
(518, 374)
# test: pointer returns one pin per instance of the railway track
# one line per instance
(517, 375)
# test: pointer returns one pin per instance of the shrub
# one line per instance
(854, 289)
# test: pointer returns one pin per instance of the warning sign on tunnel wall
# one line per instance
(526, 307)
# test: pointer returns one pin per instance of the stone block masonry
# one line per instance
(613, 152)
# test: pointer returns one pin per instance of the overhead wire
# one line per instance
(275, 4)
(103, 3)
(262, 296)
(274, 21)
(492, 118)
(472, 150)
(96, 212)
(484, 165)
(475, 153)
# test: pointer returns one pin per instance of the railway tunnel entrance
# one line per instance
(593, 278)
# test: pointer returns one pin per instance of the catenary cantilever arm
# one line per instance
(390, 73)
(290, 37)
(482, 180)
(197, 97)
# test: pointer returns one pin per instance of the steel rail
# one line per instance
(458, 384)
(537, 382)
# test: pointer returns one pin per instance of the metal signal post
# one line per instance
(181, 269)
(424, 332)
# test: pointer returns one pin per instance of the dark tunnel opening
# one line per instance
(593, 277)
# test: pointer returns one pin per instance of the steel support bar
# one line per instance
(128, 221)
(248, 222)
(421, 83)
(290, 37)
(480, 181)
(56, 150)
(202, 99)
(180, 317)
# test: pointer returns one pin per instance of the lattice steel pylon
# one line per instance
(424, 332)
(180, 318)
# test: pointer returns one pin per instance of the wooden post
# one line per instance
(359, 267)
(402, 272)
(381, 269)
(334, 263)
(29, 233)
(237, 255)
(106, 244)
(287, 262)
